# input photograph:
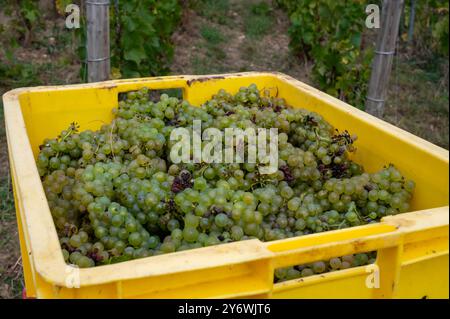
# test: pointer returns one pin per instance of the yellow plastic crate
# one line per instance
(412, 248)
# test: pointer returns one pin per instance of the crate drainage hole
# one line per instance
(324, 266)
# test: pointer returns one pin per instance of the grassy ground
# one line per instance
(418, 101)
(215, 36)
(48, 60)
(11, 280)
(235, 36)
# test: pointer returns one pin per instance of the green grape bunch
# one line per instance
(115, 194)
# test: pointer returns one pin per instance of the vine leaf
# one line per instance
(136, 55)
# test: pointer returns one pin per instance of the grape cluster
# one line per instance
(115, 195)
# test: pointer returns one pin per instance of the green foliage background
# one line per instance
(330, 33)
(140, 32)
(431, 27)
(140, 36)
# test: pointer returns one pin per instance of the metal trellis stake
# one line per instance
(412, 14)
(384, 56)
(98, 52)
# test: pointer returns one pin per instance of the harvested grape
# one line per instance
(116, 193)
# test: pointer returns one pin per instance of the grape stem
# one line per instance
(353, 209)
(111, 139)
(73, 128)
(321, 137)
